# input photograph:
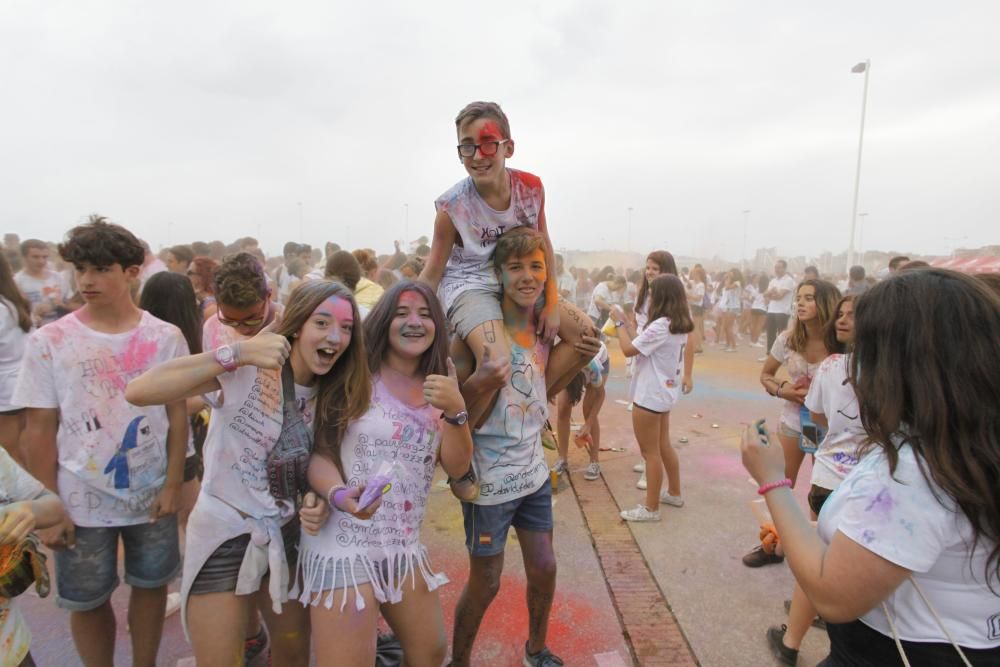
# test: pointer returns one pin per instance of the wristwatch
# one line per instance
(619, 324)
(226, 357)
(460, 418)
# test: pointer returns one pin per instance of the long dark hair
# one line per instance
(9, 291)
(826, 295)
(345, 392)
(667, 298)
(666, 262)
(924, 369)
(379, 321)
(170, 297)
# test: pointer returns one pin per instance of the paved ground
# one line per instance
(673, 593)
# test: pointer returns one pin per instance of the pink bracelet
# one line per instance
(774, 485)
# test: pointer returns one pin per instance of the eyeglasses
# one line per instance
(249, 322)
(487, 148)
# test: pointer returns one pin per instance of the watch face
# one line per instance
(462, 417)
(225, 354)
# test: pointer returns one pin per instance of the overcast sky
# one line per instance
(194, 120)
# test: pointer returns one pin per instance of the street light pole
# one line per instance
(628, 240)
(746, 225)
(865, 68)
(861, 240)
(301, 226)
(406, 224)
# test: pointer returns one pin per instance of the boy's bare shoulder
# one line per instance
(526, 179)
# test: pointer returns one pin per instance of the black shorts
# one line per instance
(222, 569)
(697, 311)
(817, 496)
(190, 467)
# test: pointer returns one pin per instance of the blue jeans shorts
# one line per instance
(486, 526)
(87, 575)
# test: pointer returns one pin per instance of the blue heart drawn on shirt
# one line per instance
(523, 381)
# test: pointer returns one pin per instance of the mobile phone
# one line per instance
(761, 427)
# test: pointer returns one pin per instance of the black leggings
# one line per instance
(857, 645)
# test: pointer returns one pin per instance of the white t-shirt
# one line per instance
(758, 302)
(567, 283)
(391, 431)
(50, 288)
(470, 265)
(610, 297)
(16, 485)
(12, 340)
(730, 299)
(241, 434)
(507, 456)
(898, 517)
(696, 293)
(659, 368)
(830, 394)
(782, 306)
(112, 454)
(799, 370)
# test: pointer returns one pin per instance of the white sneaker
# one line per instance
(639, 467)
(640, 513)
(592, 472)
(641, 484)
(760, 345)
(629, 408)
(674, 501)
(764, 358)
(559, 467)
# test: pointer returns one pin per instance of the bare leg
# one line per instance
(564, 413)
(418, 623)
(646, 426)
(482, 586)
(593, 400)
(669, 457)
(333, 626)
(94, 635)
(146, 609)
(218, 623)
(289, 630)
(564, 361)
(699, 330)
(800, 617)
(189, 494)
(540, 571)
(793, 456)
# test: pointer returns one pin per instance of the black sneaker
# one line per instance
(544, 658)
(775, 640)
(818, 622)
(759, 558)
(254, 646)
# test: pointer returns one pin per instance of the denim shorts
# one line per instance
(472, 308)
(486, 526)
(87, 575)
(221, 571)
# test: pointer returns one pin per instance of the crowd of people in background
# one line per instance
(279, 421)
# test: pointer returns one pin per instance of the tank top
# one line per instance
(390, 431)
(470, 265)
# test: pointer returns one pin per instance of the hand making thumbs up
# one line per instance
(265, 350)
(442, 391)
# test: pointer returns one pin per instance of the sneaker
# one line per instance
(641, 484)
(759, 558)
(760, 345)
(639, 467)
(673, 501)
(254, 646)
(783, 654)
(630, 406)
(817, 622)
(465, 487)
(544, 658)
(640, 513)
(559, 467)
(592, 472)
(764, 358)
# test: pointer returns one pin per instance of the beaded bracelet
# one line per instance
(774, 485)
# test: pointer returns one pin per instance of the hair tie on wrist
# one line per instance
(774, 485)
(332, 497)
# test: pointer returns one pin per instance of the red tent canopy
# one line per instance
(983, 265)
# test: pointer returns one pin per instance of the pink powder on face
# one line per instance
(412, 300)
(337, 308)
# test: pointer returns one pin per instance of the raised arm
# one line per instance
(441, 244)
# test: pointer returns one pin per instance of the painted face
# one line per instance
(845, 322)
(247, 321)
(485, 131)
(652, 269)
(805, 303)
(36, 260)
(325, 335)
(412, 329)
(103, 285)
(524, 278)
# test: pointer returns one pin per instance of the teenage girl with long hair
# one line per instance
(730, 299)
(15, 324)
(696, 289)
(270, 394)
(801, 348)
(655, 388)
(906, 560)
(356, 569)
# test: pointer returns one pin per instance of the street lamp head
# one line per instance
(860, 67)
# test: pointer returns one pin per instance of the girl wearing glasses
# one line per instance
(355, 569)
(271, 393)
